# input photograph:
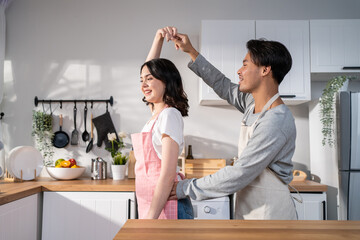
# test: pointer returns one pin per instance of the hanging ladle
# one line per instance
(85, 135)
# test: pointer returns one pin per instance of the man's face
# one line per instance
(249, 75)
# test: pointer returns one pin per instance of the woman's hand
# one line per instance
(167, 32)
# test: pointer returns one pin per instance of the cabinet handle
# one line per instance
(288, 96)
(351, 68)
(129, 208)
(324, 210)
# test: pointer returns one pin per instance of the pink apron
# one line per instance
(147, 171)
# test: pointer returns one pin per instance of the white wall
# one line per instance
(93, 49)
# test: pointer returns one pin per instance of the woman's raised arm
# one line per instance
(155, 50)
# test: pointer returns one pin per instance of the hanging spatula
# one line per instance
(75, 133)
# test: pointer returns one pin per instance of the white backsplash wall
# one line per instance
(93, 49)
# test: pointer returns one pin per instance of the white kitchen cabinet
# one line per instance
(335, 45)
(313, 206)
(294, 34)
(223, 44)
(21, 219)
(86, 215)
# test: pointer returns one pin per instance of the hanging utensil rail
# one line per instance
(37, 101)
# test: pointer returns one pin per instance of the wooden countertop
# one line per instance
(238, 229)
(10, 191)
(308, 186)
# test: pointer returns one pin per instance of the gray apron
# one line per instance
(267, 197)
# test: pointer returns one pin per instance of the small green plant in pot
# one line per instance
(118, 168)
(120, 159)
(327, 108)
(43, 134)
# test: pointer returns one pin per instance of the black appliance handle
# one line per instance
(351, 68)
(288, 96)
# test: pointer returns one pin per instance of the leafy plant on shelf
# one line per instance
(42, 132)
(327, 108)
(116, 146)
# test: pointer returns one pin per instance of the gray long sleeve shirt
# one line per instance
(272, 144)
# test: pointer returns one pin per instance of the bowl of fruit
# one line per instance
(65, 169)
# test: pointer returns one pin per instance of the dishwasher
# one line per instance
(216, 208)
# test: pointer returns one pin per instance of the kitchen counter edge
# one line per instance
(12, 191)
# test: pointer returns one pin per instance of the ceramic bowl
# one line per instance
(65, 173)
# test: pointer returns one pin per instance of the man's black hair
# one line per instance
(273, 54)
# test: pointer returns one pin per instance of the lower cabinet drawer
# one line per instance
(217, 208)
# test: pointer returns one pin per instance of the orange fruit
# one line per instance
(74, 166)
(59, 161)
(65, 164)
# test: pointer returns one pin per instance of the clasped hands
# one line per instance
(180, 40)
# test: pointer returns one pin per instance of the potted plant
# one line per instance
(327, 108)
(119, 159)
(42, 132)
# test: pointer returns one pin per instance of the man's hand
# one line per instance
(173, 192)
(182, 42)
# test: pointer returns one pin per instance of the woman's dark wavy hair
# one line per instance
(174, 95)
(271, 53)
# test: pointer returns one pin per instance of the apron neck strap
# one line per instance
(267, 105)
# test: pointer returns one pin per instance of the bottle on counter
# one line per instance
(181, 161)
(189, 156)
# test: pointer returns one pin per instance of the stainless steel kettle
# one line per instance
(98, 169)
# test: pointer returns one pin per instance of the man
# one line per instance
(261, 175)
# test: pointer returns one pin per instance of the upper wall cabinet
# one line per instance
(223, 43)
(335, 45)
(294, 34)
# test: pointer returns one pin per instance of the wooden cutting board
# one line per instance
(131, 167)
(299, 176)
(200, 167)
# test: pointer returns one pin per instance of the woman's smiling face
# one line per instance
(152, 88)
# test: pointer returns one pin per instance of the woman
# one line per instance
(161, 140)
